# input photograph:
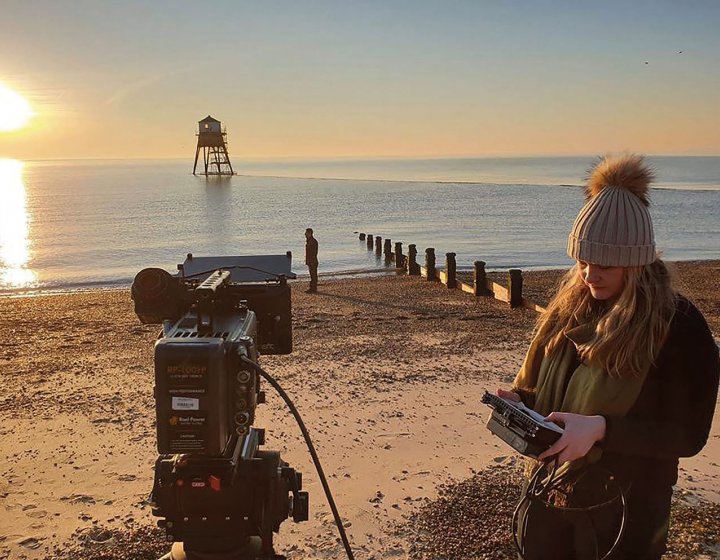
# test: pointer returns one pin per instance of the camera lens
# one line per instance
(151, 283)
(242, 418)
(243, 376)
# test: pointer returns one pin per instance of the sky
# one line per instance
(357, 79)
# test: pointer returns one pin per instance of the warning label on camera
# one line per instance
(185, 403)
(187, 431)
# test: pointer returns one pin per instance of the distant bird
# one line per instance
(679, 52)
(646, 62)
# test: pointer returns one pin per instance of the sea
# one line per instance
(82, 224)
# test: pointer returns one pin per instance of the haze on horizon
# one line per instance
(400, 78)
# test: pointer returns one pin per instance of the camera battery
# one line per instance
(190, 392)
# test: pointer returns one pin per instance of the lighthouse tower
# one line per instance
(212, 139)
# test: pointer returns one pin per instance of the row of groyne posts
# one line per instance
(481, 285)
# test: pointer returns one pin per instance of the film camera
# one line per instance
(217, 492)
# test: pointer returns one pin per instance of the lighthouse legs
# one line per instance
(197, 153)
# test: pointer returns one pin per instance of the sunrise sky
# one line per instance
(331, 78)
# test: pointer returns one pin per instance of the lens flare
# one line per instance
(15, 111)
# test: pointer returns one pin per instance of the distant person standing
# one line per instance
(311, 259)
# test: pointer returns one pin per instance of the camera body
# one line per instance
(205, 395)
(213, 487)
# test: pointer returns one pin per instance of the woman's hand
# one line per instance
(509, 395)
(581, 433)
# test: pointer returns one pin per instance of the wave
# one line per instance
(52, 288)
(125, 283)
(681, 187)
(412, 181)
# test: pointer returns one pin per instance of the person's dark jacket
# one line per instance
(673, 413)
(311, 251)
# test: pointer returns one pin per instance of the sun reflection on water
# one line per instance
(14, 227)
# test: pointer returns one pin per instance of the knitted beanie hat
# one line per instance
(614, 227)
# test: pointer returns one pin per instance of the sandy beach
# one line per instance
(386, 372)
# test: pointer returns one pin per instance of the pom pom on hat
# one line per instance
(614, 227)
(627, 171)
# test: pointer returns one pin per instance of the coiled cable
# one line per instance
(538, 492)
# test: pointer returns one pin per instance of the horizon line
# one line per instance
(362, 158)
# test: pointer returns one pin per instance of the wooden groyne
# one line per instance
(481, 286)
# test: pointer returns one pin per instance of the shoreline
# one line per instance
(387, 373)
(334, 275)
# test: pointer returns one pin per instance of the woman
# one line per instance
(628, 367)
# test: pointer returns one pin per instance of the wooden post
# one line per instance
(362, 237)
(515, 280)
(451, 270)
(387, 251)
(399, 257)
(369, 242)
(387, 247)
(378, 244)
(430, 264)
(480, 283)
(413, 268)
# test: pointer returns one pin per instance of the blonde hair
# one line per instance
(629, 334)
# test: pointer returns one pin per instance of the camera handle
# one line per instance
(311, 448)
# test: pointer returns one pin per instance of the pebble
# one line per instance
(471, 519)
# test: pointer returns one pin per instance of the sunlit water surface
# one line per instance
(77, 224)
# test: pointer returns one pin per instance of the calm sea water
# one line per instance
(77, 224)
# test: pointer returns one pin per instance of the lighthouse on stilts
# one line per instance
(212, 140)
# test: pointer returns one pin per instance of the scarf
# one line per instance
(554, 385)
(587, 389)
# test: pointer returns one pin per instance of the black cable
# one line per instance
(532, 483)
(537, 492)
(311, 448)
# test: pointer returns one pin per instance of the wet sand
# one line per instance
(386, 372)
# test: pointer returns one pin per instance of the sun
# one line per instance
(15, 111)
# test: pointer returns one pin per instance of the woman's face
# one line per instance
(605, 282)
